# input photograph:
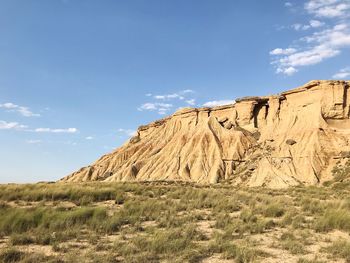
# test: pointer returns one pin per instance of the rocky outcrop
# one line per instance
(292, 138)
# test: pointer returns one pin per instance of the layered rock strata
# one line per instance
(295, 137)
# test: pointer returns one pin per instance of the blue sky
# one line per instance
(77, 77)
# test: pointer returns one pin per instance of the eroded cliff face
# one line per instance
(292, 138)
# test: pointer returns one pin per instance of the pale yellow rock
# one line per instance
(243, 143)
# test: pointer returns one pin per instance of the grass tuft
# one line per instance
(11, 255)
(340, 249)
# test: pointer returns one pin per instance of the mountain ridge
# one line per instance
(291, 138)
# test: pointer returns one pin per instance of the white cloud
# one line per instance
(313, 49)
(312, 24)
(127, 132)
(328, 8)
(168, 96)
(215, 103)
(16, 126)
(187, 91)
(309, 57)
(177, 95)
(33, 141)
(11, 125)
(280, 51)
(288, 71)
(9, 105)
(316, 23)
(24, 111)
(336, 37)
(89, 138)
(50, 130)
(298, 27)
(191, 102)
(162, 108)
(147, 106)
(288, 4)
(326, 41)
(342, 74)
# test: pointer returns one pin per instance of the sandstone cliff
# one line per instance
(292, 138)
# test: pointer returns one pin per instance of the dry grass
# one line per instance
(160, 222)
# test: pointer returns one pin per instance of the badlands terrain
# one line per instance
(266, 179)
(292, 138)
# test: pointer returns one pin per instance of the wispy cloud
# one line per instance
(328, 8)
(24, 111)
(281, 51)
(191, 102)
(316, 23)
(177, 95)
(289, 71)
(325, 44)
(342, 74)
(89, 138)
(168, 101)
(11, 126)
(321, 44)
(4, 125)
(161, 108)
(312, 24)
(186, 91)
(169, 96)
(127, 132)
(50, 130)
(215, 103)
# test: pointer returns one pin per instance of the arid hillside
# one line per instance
(296, 137)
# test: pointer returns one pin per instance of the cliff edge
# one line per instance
(295, 137)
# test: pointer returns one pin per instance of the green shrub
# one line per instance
(18, 220)
(120, 198)
(77, 217)
(274, 210)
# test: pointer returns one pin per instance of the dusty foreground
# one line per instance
(173, 222)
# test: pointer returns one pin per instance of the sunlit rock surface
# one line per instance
(291, 138)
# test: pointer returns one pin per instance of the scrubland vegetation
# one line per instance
(173, 222)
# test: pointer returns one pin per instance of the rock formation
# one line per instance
(292, 138)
